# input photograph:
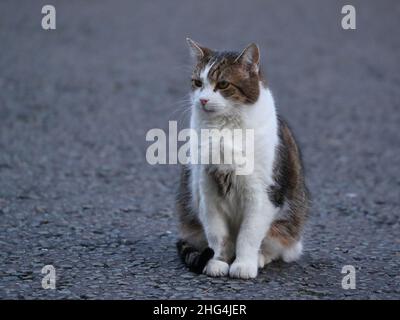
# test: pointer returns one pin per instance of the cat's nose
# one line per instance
(203, 102)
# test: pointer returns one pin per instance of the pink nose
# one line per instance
(203, 102)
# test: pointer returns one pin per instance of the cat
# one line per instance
(235, 224)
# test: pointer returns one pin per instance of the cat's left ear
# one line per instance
(197, 51)
(250, 56)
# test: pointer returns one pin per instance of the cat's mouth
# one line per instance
(208, 110)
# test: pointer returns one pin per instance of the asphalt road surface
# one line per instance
(77, 193)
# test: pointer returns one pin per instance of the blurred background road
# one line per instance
(76, 103)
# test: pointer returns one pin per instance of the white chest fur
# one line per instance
(260, 117)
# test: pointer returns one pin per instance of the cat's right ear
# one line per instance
(197, 51)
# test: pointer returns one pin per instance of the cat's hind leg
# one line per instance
(293, 252)
(286, 253)
(284, 241)
(274, 248)
(270, 250)
(192, 246)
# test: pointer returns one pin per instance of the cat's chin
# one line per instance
(210, 112)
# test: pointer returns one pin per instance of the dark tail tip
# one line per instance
(194, 259)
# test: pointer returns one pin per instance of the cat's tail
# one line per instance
(194, 259)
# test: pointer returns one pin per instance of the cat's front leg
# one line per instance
(256, 220)
(216, 230)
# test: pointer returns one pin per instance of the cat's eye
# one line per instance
(197, 83)
(222, 85)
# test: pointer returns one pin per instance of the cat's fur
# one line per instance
(247, 220)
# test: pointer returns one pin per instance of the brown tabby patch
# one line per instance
(289, 190)
(222, 179)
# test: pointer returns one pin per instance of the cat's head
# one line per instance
(224, 81)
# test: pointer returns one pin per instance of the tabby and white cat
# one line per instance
(234, 224)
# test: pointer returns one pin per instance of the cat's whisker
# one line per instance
(184, 112)
(183, 106)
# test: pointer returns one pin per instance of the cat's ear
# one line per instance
(197, 51)
(250, 56)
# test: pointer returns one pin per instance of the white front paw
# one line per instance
(243, 269)
(216, 268)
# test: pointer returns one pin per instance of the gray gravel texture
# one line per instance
(76, 103)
